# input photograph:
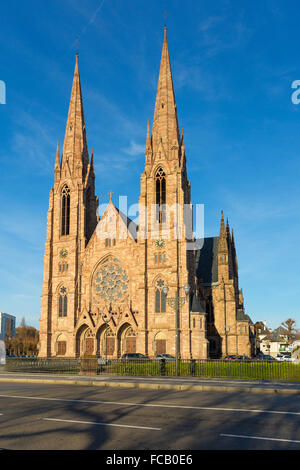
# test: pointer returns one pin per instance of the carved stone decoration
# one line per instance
(110, 283)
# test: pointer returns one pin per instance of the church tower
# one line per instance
(165, 227)
(71, 220)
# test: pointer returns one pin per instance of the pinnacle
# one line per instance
(222, 237)
(57, 159)
(148, 139)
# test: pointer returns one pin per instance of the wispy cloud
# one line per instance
(110, 114)
(222, 32)
(32, 143)
(23, 224)
(134, 149)
(253, 211)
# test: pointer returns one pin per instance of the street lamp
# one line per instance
(175, 303)
(106, 321)
(226, 330)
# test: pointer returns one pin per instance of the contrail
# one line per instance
(91, 21)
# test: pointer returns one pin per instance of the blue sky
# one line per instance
(233, 65)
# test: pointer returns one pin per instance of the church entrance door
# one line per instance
(161, 346)
(89, 345)
(110, 346)
(130, 344)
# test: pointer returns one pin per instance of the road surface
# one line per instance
(67, 417)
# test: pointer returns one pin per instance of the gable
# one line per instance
(114, 225)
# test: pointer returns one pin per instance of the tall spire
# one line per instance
(235, 263)
(223, 254)
(92, 160)
(223, 247)
(165, 114)
(57, 159)
(227, 226)
(228, 233)
(75, 149)
(148, 139)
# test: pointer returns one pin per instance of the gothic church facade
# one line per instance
(104, 289)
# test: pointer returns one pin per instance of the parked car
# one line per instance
(243, 358)
(166, 357)
(288, 358)
(135, 357)
(283, 357)
(231, 357)
(266, 357)
(102, 361)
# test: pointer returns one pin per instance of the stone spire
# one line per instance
(57, 164)
(75, 150)
(223, 247)
(148, 139)
(165, 122)
(227, 226)
(223, 253)
(57, 159)
(235, 263)
(229, 244)
(92, 161)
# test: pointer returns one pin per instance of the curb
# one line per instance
(192, 388)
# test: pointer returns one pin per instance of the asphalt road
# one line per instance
(67, 417)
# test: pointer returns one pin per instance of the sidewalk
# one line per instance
(157, 383)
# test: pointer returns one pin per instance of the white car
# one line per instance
(283, 357)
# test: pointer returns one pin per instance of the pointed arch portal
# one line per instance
(126, 339)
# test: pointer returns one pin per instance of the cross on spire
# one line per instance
(110, 195)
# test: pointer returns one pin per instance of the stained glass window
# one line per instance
(111, 281)
(160, 184)
(160, 297)
(65, 211)
(63, 303)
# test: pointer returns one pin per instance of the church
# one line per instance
(111, 286)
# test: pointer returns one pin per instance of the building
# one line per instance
(274, 342)
(105, 278)
(277, 341)
(7, 326)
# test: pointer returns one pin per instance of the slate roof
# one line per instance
(242, 316)
(196, 305)
(207, 261)
(277, 335)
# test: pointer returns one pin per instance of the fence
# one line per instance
(257, 370)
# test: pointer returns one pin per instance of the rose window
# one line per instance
(111, 281)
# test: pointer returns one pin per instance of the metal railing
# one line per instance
(217, 368)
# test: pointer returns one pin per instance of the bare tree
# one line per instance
(289, 324)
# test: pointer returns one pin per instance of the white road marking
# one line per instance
(101, 424)
(185, 407)
(261, 438)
